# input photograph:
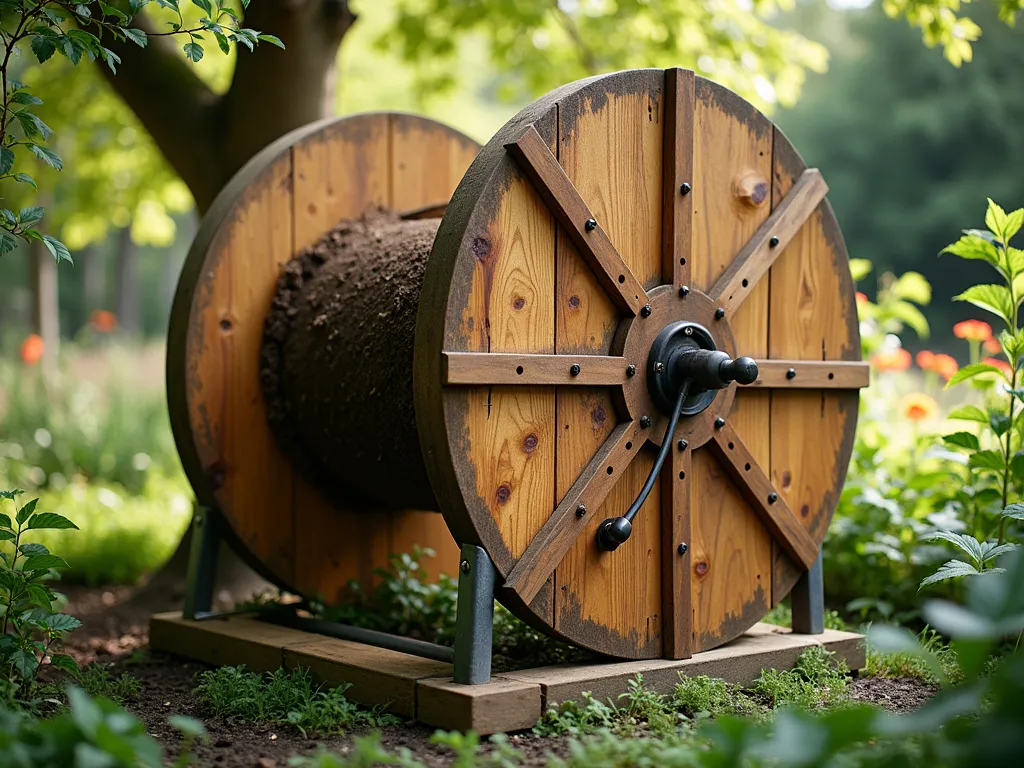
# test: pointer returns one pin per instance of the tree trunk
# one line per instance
(126, 282)
(45, 304)
(207, 138)
(89, 261)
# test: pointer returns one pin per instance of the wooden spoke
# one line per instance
(499, 368)
(677, 205)
(677, 624)
(736, 458)
(812, 374)
(558, 192)
(758, 255)
(566, 523)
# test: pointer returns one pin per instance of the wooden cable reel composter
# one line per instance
(623, 366)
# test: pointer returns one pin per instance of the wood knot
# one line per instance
(598, 416)
(519, 303)
(530, 443)
(503, 494)
(701, 568)
(481, 248)
(752, 189)
(805, 511)
(574, 302)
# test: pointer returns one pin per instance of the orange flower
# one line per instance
(103, 321)
(1002, 365)
(918, 407)
(891, 360)
(32, 349)
(993, 347)
(945, 366)
(925, 360)
(973, 330)
(861, 298)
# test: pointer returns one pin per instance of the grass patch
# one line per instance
(96, 681)
(906, 664)
(286, 698)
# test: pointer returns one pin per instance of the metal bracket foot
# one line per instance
(202, 564)
(474, 623)
(808, 601)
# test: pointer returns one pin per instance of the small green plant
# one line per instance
(702, 696)
(466, 747)
(284, 697)
(906, 664)
(96, 680)
(31, 631)
(572, 717)
(817, 681)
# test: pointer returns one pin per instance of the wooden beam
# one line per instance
(542, 168)
(677, 205)
(812, 374)
(780, 520)
(500, 368)
(677, 609)
(758, 255)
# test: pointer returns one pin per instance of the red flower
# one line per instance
(891, 360)
(945, 366)
(925, 360)
(103, 321)
(993, 347)
(32, 349)
(973, 330)
(861, 298)
(1002, 365)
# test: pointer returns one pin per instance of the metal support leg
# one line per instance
(808, 601)
(474, 623)
(202, 563)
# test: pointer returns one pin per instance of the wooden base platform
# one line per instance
(423, 689)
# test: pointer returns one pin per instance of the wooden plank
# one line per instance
(228, 641)
(807, 374)
(568, 520)
(496, 368)
(574, 215)
(730, 557)
(764, 498)
(377, 676)
(428, 161)
(677, 203)
(813, 317)
(677, 621)
(768, 243)
(499, 706)
(611, 139)
(763, 647)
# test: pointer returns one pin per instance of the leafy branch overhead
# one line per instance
(941, 25)
(79, 31)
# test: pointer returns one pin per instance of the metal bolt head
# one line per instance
(684, 188)
(719, 422)
(684, 291)
(581, 510)
(791, 373)
(688, 331)
(719, 313)
(645, 421)
(681, 549)
(591, 225)
(772, 498)
(645, 311)
(575, 369)
(631, 370)
(773, 242)
(659, 367)
(682, 445)
(464, 566)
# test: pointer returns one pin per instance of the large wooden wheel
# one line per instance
(595, 218)
(282, 201)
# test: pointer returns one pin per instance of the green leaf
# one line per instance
(111, 58)
(969, 413)
(1000, 422)
(26, 512)
(23, 97)
(993, 460)
(31, 215)
(7, 535)
(995, 218)
(859, 269)
(970, 371)
(1014, 511)
(58, 249)
(40, 595)
(24, 662)
(6, 160)
(222, 41)
(7, 243)
(187, 726)
(43, 47)
(47, 155)
(6, 522)
(953, 569)
(992, 298)
(50, 520)
(65, 662)
(912, 286)
(956, 621)
(888, 639)
(61, 622)
(205, 5)
(973, 247)
(24, 178)
(272, 40)
(11, 495)
(194, 51)
(962, 440)
(1014, 219)
(33, 548)
(137, 36)
(44, 563)
(963, 541)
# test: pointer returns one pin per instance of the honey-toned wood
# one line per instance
(677, 624)
(812, 374)
(284, 200)
(677, 203)
(768, 243)
(814, 318)
(494, 707)
(731, 554)
(588, 235)
(525, 369)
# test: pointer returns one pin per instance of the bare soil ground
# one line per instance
(167, 683)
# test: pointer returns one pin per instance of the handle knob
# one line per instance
(742, 370)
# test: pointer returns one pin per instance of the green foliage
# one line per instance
(283, 697)
(941, 25)
(817, 681)
(911, 663)
(32, 631)
(92, 733)
(896, 306)
(78, 31)
(97, 681)
(702, 696)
